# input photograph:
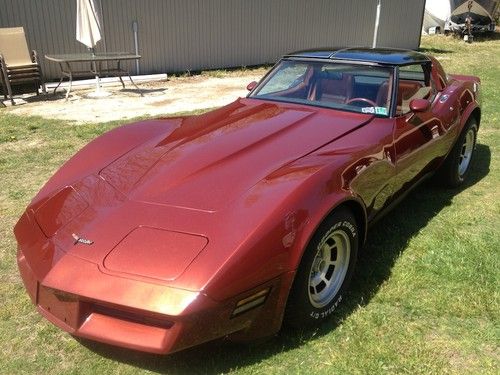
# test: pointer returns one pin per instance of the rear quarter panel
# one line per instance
(468, 90)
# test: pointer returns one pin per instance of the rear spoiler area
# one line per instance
(459, 77)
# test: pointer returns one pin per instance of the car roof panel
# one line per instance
(386, 56)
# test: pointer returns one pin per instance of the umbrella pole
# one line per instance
(97, 85)
(98, 92)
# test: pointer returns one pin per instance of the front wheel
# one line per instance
(458, 162)
(325, 271)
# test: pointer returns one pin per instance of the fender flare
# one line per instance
(472, 109)
(347, 199)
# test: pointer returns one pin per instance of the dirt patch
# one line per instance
(17, 146)
(178, 94)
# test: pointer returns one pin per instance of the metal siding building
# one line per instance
(181, 35)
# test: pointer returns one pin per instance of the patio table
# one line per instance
(66, 63)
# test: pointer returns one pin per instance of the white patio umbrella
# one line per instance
(88, 29)
(88, 24)
(377, 21)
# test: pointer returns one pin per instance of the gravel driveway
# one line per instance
(177, 94)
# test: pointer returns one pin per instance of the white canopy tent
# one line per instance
(435, 15)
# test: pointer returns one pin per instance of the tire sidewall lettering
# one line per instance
(327, 312)
(350, 227)
(344, 225)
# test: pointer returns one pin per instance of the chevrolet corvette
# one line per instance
(167, 233)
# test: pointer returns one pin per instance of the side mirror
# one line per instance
(251, 85)
(419, 105)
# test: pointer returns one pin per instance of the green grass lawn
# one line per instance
(425, 297)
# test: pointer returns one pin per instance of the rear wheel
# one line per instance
(457, 164)
(325, 271)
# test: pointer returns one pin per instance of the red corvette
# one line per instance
(167, 233)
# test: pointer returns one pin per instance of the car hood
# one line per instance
(209, 160)
(157, 210)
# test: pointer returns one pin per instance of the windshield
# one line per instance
(350, 87)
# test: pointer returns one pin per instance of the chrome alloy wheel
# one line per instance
(329, 267)
(466, 152)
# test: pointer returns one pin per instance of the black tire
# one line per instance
(309, 304)
(454, 171)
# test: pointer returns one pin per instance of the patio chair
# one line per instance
(20, 70)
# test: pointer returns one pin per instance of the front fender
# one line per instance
(320, 207)
(281, 213)
(102, 151)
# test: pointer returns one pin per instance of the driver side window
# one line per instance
(297, 74)
(415, 82)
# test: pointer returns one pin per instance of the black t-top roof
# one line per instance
(387, 56)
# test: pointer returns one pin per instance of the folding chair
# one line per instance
(19, 69)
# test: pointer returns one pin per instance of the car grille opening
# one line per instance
(134, 317)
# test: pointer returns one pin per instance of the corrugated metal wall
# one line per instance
(180, 35)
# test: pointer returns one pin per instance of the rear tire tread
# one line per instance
(449, 172)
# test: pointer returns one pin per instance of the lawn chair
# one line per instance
(19, 69)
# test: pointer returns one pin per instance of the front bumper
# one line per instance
(123, 312)
(76, 296)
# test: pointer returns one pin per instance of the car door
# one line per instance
(420, 140)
